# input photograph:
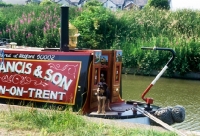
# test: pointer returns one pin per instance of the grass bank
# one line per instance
(55, 122)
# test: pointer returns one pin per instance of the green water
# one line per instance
(167, 92)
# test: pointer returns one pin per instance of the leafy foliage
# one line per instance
(101, 28)
(32, 25)
(153, 27)
(2, 21)
(162, 4)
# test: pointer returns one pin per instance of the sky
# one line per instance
(175, 4)
(189, 4)
(14, 1)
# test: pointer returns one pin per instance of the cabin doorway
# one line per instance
(110, 67)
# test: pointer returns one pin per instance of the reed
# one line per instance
(153, 27)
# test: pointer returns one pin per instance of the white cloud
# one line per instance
(185, 4)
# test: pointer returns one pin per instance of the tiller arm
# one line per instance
(150, 100)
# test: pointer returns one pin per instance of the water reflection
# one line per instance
(168, 92)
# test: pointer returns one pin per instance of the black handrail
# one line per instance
(163, 49)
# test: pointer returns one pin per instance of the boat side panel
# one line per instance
(71, 67)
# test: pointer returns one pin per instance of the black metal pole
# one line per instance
(164, 49)
(64, 30)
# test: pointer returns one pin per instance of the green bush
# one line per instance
(2, 22)
(97, 27)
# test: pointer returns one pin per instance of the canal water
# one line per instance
(167, 92)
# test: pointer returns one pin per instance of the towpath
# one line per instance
(117, 123)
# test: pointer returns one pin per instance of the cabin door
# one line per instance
(116, 75)
(95, 78)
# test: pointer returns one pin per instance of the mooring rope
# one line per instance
(2, 57)
(147, 114)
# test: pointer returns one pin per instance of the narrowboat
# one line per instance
(70, 76)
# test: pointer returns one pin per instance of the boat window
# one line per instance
(117, 73)
(96, 76)
(104, 75)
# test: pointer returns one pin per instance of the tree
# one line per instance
(162, 4)
(93, 3)
(3, 4)
(96, 26)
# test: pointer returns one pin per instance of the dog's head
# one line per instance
(101, 88)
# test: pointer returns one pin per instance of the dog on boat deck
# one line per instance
(102, 96)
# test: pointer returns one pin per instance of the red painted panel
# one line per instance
(40, 80)
(47, 52)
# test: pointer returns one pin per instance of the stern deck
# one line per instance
(122, 110)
